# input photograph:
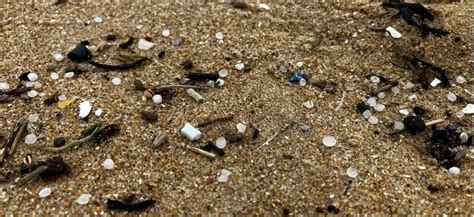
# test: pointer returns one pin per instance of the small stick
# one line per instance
(70, 145)
(33, 175)
(275, 135)
(384, 88)
(429, 123)
(218, 119)
(200, 151)
(341, 101)
(195, 95)
(159, 140)
(5, 149)
(17, 137)
(465, 99)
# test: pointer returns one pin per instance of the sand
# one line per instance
(293, 174)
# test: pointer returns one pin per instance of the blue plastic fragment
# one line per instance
(296, 77)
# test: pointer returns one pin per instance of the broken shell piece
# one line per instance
(329, 141)
(241, 127)
(308, 104)
(299, 64)
(435, 82)
(190, 132)
(98, 112)
(469, 109)
(64, 103)
(144, 44)
(84, 109)
(393, 32)
(412, 97)
(224, 175)
(195, 95)
(44, 192)
(83, 199)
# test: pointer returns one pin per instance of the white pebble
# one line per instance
(435, 82)
(32, 93)
(463, 137)
(108, 164)
(329, 141)
(98, 19)
(224, 175)
(460, 79)
(84, 109)
(29, 84)
(379, 107)
(355, 34)
(223, 73)
(44, 192)
(452, 97)
(58, 56)
(351, 172)
(239, 66)
(144, 44)
(308, 104)
(302, 82)
(190, 132)
(393, 32)
(33, 118)
(84, 199)
(367, 114)
(98, 112)
(166, 32)
(30, 139)
(221, 142)
(4, 86)
(220, 82)
(62, 97)
(157, 99)
(54, 76)
(116, 81)
(32, 76)
(372, 101)
(375, 79)
(69, 75)
(299, 64)
(404, 111)
(395, 90)
(264, 7)
(398, 125)
(373, 120)
(469, 109)
(241, 127)
(412, 97)
(381, 95)
(220, 35)
(455, 170)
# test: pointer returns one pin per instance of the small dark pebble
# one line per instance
(286, 212)
(320, 210)
(111, 37)
(419, 111)
(362, 107)
(51, 100)
(24, 76)
(187, 64)
(150, 116)
(414, 124)
(85, 43)
(288, 156)
(228, 59)
(24, 168)
(130, 207)
(457, 39)
(59, 142)
(240, 4)
(139, 85)
(331, 208)
(433, 189)
(376, 132)
(247, 69)
(161, 54)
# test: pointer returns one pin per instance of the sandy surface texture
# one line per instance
(295, 173)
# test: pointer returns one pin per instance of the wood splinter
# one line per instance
(32, 175)
(195, 95)
(8, 148)
(160, 140)
(200, 151)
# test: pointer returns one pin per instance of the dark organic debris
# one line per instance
(125, 66)
(111, 37)
(385, 87)
(8, 147)
(210, 146)
(433, 189)
(419, 111)
(59, 142)
(150, 117)
(139, 85)
(16, 91)
(127, 206)
(5, 98)
(24, 168)
(240, 4)
(161, 54)
(51, 100)
(60, 2)
(80, 53)
(55, 167)
(217, 119)
(105, 133)
(232, 136)
(127, 43)
(195, 76)
(362, 107)
(442, 144)
(333, 209)
(187, 64)
(414, 124)
(24, 76)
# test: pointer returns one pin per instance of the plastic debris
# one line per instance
(69, 75)
(30, 139)
(144, 44)
(44, 192)
(329, 141)
(33, 118)
(116, 81)
(241, 127)
(367, 114)
(469, 109)
(435, 82)
(299, 64)
(120, 67)
(239, 66)
(452, 97)
(302, 82)
(98, 19)
(98, 112)
(4, 86)
(412, 97)
(54, 76)
(395, 90)
(351, 172)
(264, 6)
(108, 164)
(362, 107)
(223, 73)
(190, 132)
(373, 120)
(379, 107)
(79, 54)
(166, 33)
(224, 175)
(463, 137)
(64, 103)
(32, 76)
(84, 109)
(177, 42)
(32, 93)
(220, 82)
(157, 99)
(296, 77)
(398, 125)
(455, 170)
(195, 95)
(221, 142)
(404, 111)
(372, 101)
(219, 36)
(308, 104)
(393, 32)
(84, 199)
(419, 111)
(375, 79)
(460, 79)
(127, 43)
(59, 142)
(58, 56)
(409, 85)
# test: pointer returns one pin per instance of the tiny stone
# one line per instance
(452, 97)
(373, 120)
(308, 104)
(144, 44)
(412, 97)
(239, 66)
(30, 139)
(367, 114)
(108, 164)
(454, 170)
(302, 82)
(166, 32)
(395, 90)
(221, 142)
(379, 107)
(157, 99)
(435, 82)
(111, 37)
(329, 141)
(32, 76)
(59, 142)
(83, 199)
(98, 112)
(69, 75)
(54, 76)
(32, 93)
(44, 192)
(98, 19)
(372, 101)
(33, 118)
(404, 111)
(223, 73)
(398, 125)
(4, 86)
(220, 35)
(381, 95)
(116, 81)
(463, 137)
(351, 172)
(299, 64)
(375, 79)
(62, 97)
(460, 79)
(241, 128)
(58, 56)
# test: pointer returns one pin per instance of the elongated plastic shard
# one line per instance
(393, 32)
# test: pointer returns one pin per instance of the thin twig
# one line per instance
(6, 148)
(200, 151)
(33, 175)
(17, 137)
(275, 135)
(70, 145)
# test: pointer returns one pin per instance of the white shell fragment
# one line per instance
(404, 111)
(452, 97)
(460, 79)
(221, 142)
(224, 175)
(223, 73)
(412, 97)
(299, 64)
(54, 76)
(32, 76)
(108, 164)
(308, 104)
(351, 172)
(455, 170)
(58, 56)
(44, 192)
(241, 127)
(4, 86)
(116, 81)
(98, 112)
(166, 32)
(157, 99)
(329, 141)
(144, 44)
(30, 139)
(469, 109)
(264, 7)
(463, 137)
(393, 32)
(84, 109)
(435, 82)
(239, 66)
(190, 132)
(84, 199)
(220, 35)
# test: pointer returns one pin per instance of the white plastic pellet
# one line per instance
(4, 86)
(219, 35)
(329, 141)
(29, 84)
(412, 97)
(54, 76)
(224, 175)
(404, 111)
(373, 120)
(116, 81)
(372, 101)
(221, 142)
(32, 76)
(375, 79)
(98, 112)
(108, 164)
(144, 44)
(58, 56)
(460, 79)
(381, 95)
(44, 192)
(166, 32)
(455, 170)
(30, 139)
(395, 90)
(379, 107)
(98, 19)
(190, 132)
(157, 99)
(84, 109)
(239, 66)
(351, 172)
(241, 127)
(452, 97)
(435, 82)
(211, 83)
(84, 199)
(367, 114)
(220, 82)
(32, 93)
(223, 73)
(264, 7)
(299, 64)
(302, 82)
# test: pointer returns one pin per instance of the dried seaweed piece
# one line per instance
(9, 146)
(125, 66)
(139, 85)
(130, 207)
(414, 124)
(51, 100)
(80, 53)
(5, 98)
(233, 136)
(105, 133)
(195, 76)
(127, 43)
(411, 8)
(82, 139)
(55, 167)
(187, 64)
(240, 4)
(17, 91)
(150, 117)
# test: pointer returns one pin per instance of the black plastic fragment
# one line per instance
(419, 111)
(111, 37)
(202, 76)
(414, 124)
(59, 142)
(362, 107)
(127, 43)
(79, 54)
(130, 207)
(119, 67)
(161, 54)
